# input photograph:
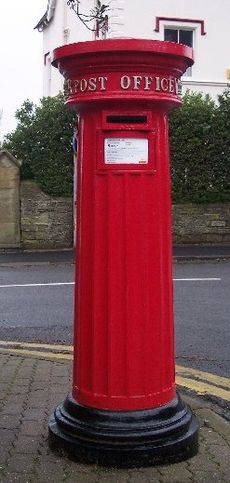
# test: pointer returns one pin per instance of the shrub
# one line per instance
(200, 149)
(199, 144)
(43, 141)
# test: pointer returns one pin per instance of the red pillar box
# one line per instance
(123, 409)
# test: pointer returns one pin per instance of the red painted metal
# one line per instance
(180, 20)
(124, 345)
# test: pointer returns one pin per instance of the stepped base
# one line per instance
(124, 439)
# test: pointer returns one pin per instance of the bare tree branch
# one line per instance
(96, 19)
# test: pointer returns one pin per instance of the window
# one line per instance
(180, 36)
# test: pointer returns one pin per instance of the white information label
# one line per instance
(126, 151)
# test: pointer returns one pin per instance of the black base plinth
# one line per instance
(124, 439)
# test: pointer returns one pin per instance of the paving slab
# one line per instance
(25, 456)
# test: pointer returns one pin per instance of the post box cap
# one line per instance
(119, 45)
(123, 69)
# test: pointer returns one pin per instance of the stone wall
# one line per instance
(46, 222)
(204, 223)
(9, 201)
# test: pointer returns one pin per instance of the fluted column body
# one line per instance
(123, 299)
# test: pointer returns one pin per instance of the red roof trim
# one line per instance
(177, 19)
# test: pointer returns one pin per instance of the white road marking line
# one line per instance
(197, 279)
(37, 284)
(58, 284)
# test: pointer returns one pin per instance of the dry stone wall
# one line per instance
(204, 223)
(46, 222)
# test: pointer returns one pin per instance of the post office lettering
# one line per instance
(149, 83)
(125, 83)
(92, 84)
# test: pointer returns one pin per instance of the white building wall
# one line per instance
(211, 51)
(64, 28)
(129, 18)
(116, 14)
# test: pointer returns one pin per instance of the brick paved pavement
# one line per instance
(31, 388)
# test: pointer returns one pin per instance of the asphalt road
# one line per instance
(36, 303)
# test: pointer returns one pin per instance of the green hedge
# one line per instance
(200, 149)
(199, 145)
(43, 141)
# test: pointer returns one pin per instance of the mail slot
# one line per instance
(126, 141)
(123, 409)
(120, 119)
